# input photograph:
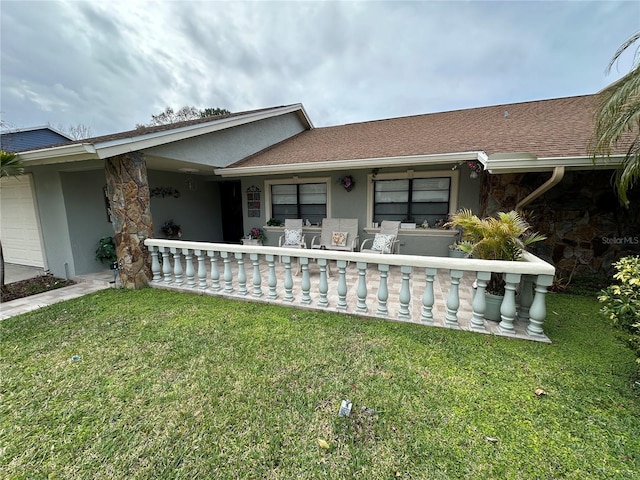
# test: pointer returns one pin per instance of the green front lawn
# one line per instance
(156, 384)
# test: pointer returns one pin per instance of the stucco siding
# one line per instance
(225, 147)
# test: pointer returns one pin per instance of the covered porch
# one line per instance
(433, 291)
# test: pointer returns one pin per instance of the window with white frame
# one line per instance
(301, 198)
(413, 198)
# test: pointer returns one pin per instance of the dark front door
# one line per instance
(231, 205)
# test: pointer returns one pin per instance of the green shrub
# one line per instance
(621, 302)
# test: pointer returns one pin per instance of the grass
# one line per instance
(157, 384)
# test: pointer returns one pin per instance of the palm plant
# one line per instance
(10, 166)
(504, 237)
(618, 122)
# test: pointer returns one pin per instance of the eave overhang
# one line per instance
(354, 164)
(101, 150)
(526, 162)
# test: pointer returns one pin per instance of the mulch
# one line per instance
(32, 286)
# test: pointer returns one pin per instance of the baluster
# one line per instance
(177, 266)
(508, 307)
(538, 310)
(190, 271)
(479, 304)
(323, 288)
(526, 297)
(202, 269)
(383, 292)
(453, 300)
(227, 275)
(242, 275)
(288, 279)
(428, 297)
(405, 293)
(257, 281)
(215, 275)
(166, 265)
(306, 283)
(273, 280)
(155, 265)
(361, 306)
(342, 284)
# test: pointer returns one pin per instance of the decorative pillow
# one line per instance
(383, 243)
(339, 239)
(292, 237)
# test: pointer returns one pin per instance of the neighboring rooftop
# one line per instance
(547, 128)
(31, 138)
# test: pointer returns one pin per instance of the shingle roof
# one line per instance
(31, 138)
(547, 128)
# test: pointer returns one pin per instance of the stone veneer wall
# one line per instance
(585, 225)
(128, 192)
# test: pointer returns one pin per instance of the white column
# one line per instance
(342, 284)
(288, 280)
(273, 280)
(227, 275)
(405, 293)
(242, 275)
(508, 307)
(177, 266)
(526, 297)
(383, 292)
(305, 285)
(479, 304)
(202, 269)
(323, 288)
(538, 310)
(427, 297)
(215, 275)
(190, 271)
(361, 306)
(155, 264)
(453, 300)
(257, 281)
(166, 265)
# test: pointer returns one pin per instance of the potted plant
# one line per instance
(171, 230)
(503, 237)
(106, 252)
(256, 236)
(456, 251)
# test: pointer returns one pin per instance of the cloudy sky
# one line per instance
(109, 65)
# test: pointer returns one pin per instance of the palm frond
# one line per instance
(10, 165)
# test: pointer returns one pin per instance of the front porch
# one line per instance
(432, 291)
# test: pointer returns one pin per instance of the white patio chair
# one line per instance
(338, 234)
(386, 241)
(292, 236)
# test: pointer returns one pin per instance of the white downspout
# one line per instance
(556, 177)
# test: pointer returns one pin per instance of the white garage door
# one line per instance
(19, 225)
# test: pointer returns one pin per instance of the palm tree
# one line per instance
(10, 166)
(618, 122)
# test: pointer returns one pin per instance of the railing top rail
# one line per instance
(530, 265)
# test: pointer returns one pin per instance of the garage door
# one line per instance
(19, 225)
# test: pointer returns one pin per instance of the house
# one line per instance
(220, 176)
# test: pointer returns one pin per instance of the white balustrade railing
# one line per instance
(432, 290)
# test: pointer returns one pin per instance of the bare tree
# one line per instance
(169, 115)
(76, 132)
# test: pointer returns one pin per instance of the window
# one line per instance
(412, 199)
(298, 200)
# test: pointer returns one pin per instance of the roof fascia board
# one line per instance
(360, 163)
(546, 164)
(60, 154)
(117, 147)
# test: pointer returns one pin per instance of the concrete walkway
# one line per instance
(86, 284)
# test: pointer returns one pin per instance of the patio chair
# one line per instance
(386, 241)
(293, 236)
(338, 234)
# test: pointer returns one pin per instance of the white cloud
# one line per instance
(110, 65)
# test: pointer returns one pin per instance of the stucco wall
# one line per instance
(86, 217)
(353, 204)
(587, 229)
(197, 210)
(225, 147)
(53, 221)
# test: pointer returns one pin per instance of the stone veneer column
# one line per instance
(128, 192)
